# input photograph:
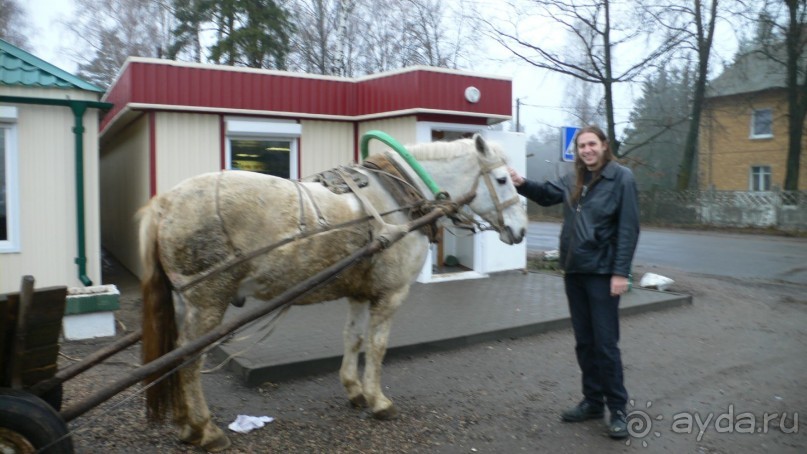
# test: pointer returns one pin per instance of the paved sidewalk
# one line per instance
(435, 316)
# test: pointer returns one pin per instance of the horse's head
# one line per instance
(497, 200)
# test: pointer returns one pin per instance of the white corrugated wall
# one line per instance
(325, 145)
(125, 188)
(47, 194)
(188, 144)
(402, 129)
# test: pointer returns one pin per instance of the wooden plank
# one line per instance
(30, 377)
(47, 306)
(44, 325)
(18, 345)
(43, 335)
(31, 346)
(6, 335)
(39, 357)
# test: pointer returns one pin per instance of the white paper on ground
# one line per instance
(244, 423)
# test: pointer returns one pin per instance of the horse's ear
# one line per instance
(481, 145)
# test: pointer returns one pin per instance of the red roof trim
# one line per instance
(170, 85)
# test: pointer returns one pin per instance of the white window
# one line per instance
(760, 178)
(9, 206)
(265, 146)
(762, 124)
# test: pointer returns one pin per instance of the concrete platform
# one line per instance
(436, 316)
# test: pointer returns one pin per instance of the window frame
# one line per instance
(8, 122)
(756, 175)
(262, 129)
(766, 135)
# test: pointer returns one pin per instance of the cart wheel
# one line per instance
(28, 424)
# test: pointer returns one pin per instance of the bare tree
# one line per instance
(352, 37)
(440, 35)
(111, 31)
(14, 24)
(787, 22)
(694, 22)
(311, 46)
(617, 45)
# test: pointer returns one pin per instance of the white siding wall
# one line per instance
(125, 182)
(47, 191)
(325, 145)
(401, 129)
(188, 144)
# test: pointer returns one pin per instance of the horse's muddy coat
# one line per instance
(217, 218)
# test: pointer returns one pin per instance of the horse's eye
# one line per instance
(502, 180)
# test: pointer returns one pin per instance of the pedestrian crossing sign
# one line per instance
(567, 143)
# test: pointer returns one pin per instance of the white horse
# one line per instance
(224, 217)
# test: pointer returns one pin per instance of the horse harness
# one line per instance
(399, 184)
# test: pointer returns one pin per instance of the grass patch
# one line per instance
(537, 262)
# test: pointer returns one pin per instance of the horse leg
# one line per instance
(191, 412)
(381, 313)
(353, 336)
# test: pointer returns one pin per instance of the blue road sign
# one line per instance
(566, 143)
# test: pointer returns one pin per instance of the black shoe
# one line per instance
(583, 411)
(618, 429)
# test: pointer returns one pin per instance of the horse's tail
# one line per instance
(159, 324)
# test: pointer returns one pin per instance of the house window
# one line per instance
(265, 146)
(9, 213)
(762, 124)
(760, 178)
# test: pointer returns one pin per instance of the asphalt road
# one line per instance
(736, 255)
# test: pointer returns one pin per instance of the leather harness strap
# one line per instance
(400, 185)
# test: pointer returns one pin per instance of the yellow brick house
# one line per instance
(743, 131)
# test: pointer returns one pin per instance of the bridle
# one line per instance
(465, 221)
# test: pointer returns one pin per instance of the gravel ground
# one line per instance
(739, 349)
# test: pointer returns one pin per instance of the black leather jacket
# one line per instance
(600, 233)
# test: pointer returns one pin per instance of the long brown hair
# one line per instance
(580, 167)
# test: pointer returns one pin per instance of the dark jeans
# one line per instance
(595, 319)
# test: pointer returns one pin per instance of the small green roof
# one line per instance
(18, 67)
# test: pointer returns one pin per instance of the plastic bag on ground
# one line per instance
(655, 281)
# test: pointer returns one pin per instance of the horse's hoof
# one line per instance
(189, 436)
(211, 439)
(386, 414)
(217, 445)
(358, 401)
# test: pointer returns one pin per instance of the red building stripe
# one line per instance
(175, 85)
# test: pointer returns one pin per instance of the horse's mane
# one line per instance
(436, 151)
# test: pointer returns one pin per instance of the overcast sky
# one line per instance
(542, 93)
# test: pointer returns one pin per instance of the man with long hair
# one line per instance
(597, 242)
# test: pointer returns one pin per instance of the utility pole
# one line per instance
(518, 114)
